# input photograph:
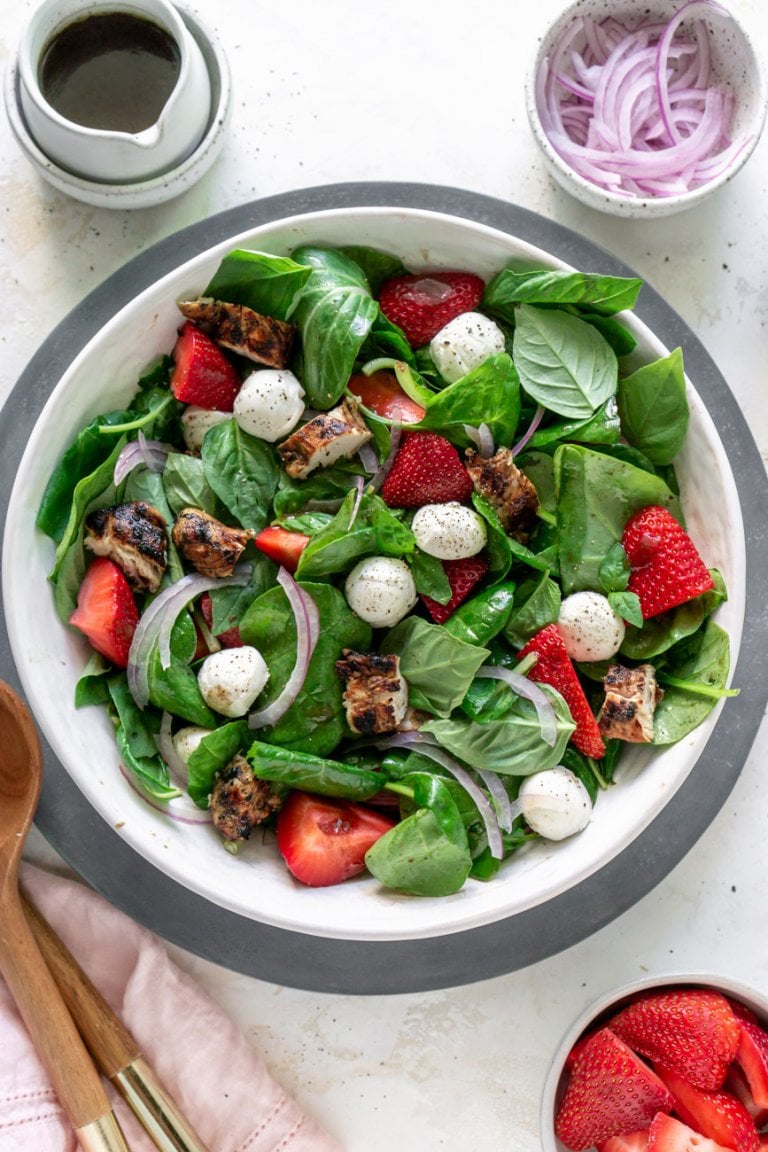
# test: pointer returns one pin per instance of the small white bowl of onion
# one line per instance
(644, 107)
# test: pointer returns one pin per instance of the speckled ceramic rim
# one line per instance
(145, 193)
(613, 203)
(323, 964)
(612, 1001)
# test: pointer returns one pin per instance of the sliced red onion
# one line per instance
(177, 767)
(524, 687)
(307, 632)
(636, 111)
(499, 795)
(482, 438)
(536, 800)
(360, 485)
(378, 478)
(152, 453)
(157, 622)
(180, 808)
(369, 458)
(537, 418)
(422, 744)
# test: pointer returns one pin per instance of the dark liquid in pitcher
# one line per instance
(110, 71)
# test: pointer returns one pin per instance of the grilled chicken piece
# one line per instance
(631, 696)
(240, 801)
(507, 489)
(237, 327)
(325, 439)
(134, 535)
(375, 694)
(212, 548)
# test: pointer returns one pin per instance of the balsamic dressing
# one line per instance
(110, 71)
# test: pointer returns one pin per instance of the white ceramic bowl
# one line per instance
(736, 63)
(611, 1002)
(255, 883)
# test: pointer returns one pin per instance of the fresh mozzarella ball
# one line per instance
(381, 590)
(464, 343)
(269, 403)
(590, 628)
(195, 422)
(187, 740)
(230, 680)
(557, 804)
(449, 531)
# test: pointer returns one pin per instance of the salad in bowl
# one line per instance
(388, 569)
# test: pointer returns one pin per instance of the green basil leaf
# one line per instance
(242, 471)
(186, 486)
(429, 577)
(268, 284)
(627, 605)
(563, 363)
(706, 663)
(614, 570)
(537, 604)
(654, 408)
(437, 666)
(376, 266)
(490, 394)
(604, 294)
(376, 531)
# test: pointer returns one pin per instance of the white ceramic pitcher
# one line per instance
(104, 155)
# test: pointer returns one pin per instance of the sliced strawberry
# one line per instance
(666, 568)
(611, 1092)
(203, 375)
(717, 1115)
(230, 638)
(324, 841)
(736, 1084)
(106, 611)
(629, 1142)
(693, 1031)
(381, 393)
(282, 546)
(462, 575)
(427, 469)
(554, 667)
(752, 1057)
(421, 305)
(667, 1134)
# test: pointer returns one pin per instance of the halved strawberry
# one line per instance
(282, 546)
(381, 393)
(423, 304)
(106, 611)
(427, 469)
(667, 570)
(324, 841)
(736, 1084)
(554, 667)
(628, 1142)
(203, 375)
(462, 575)
(717, 1115)
(666, 1134)
(752, 1057)
(691, 1030)
(611, 1091)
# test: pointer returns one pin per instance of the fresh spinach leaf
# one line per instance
(228, 604)
(326, 484)
(490, 394)
(614, 570)
(376, 530)
(627, 606)
(242, 471)
(429, 576)
(313, 773)
(268, 284)
(376, 266)
(706, 663)
(135, 735)
(186, 486)
(654, 408)
(482, 617)
(438, 667)
(537, 603)
(83, 458)
(660, 633)
(212, 754)
(563, 363)
(602, 427)
(96, 485)
(418, 858)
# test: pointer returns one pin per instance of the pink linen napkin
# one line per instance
(204, 1061)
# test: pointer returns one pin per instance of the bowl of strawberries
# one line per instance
(363, 574)
(670, 1063)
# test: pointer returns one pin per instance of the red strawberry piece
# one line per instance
(692, 1031)
(282, 546)
(667, 1134)
(427, 469)
(554, 667)
(462, 575)
(666, 568)
(106, 611)
(717, 1115)
(203, 375)
(629, 1142)
(736, 1084)
(752, 1057)
(381, 393)
(611, 1091)
(324, 841)
(423, 304)
(230, 637)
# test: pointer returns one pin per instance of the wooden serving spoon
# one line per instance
(54, 1035)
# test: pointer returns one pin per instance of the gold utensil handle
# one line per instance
(111, 1045)
(54, 1035)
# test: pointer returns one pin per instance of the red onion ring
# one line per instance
(307, 632)
(184, 810)
(360, 484)
(536, 420)
(152, 453)
(482, 438)
(524, 687)
(378, 478)
(177, 767)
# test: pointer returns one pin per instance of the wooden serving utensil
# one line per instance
(74, 1078)
(111, 1045)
